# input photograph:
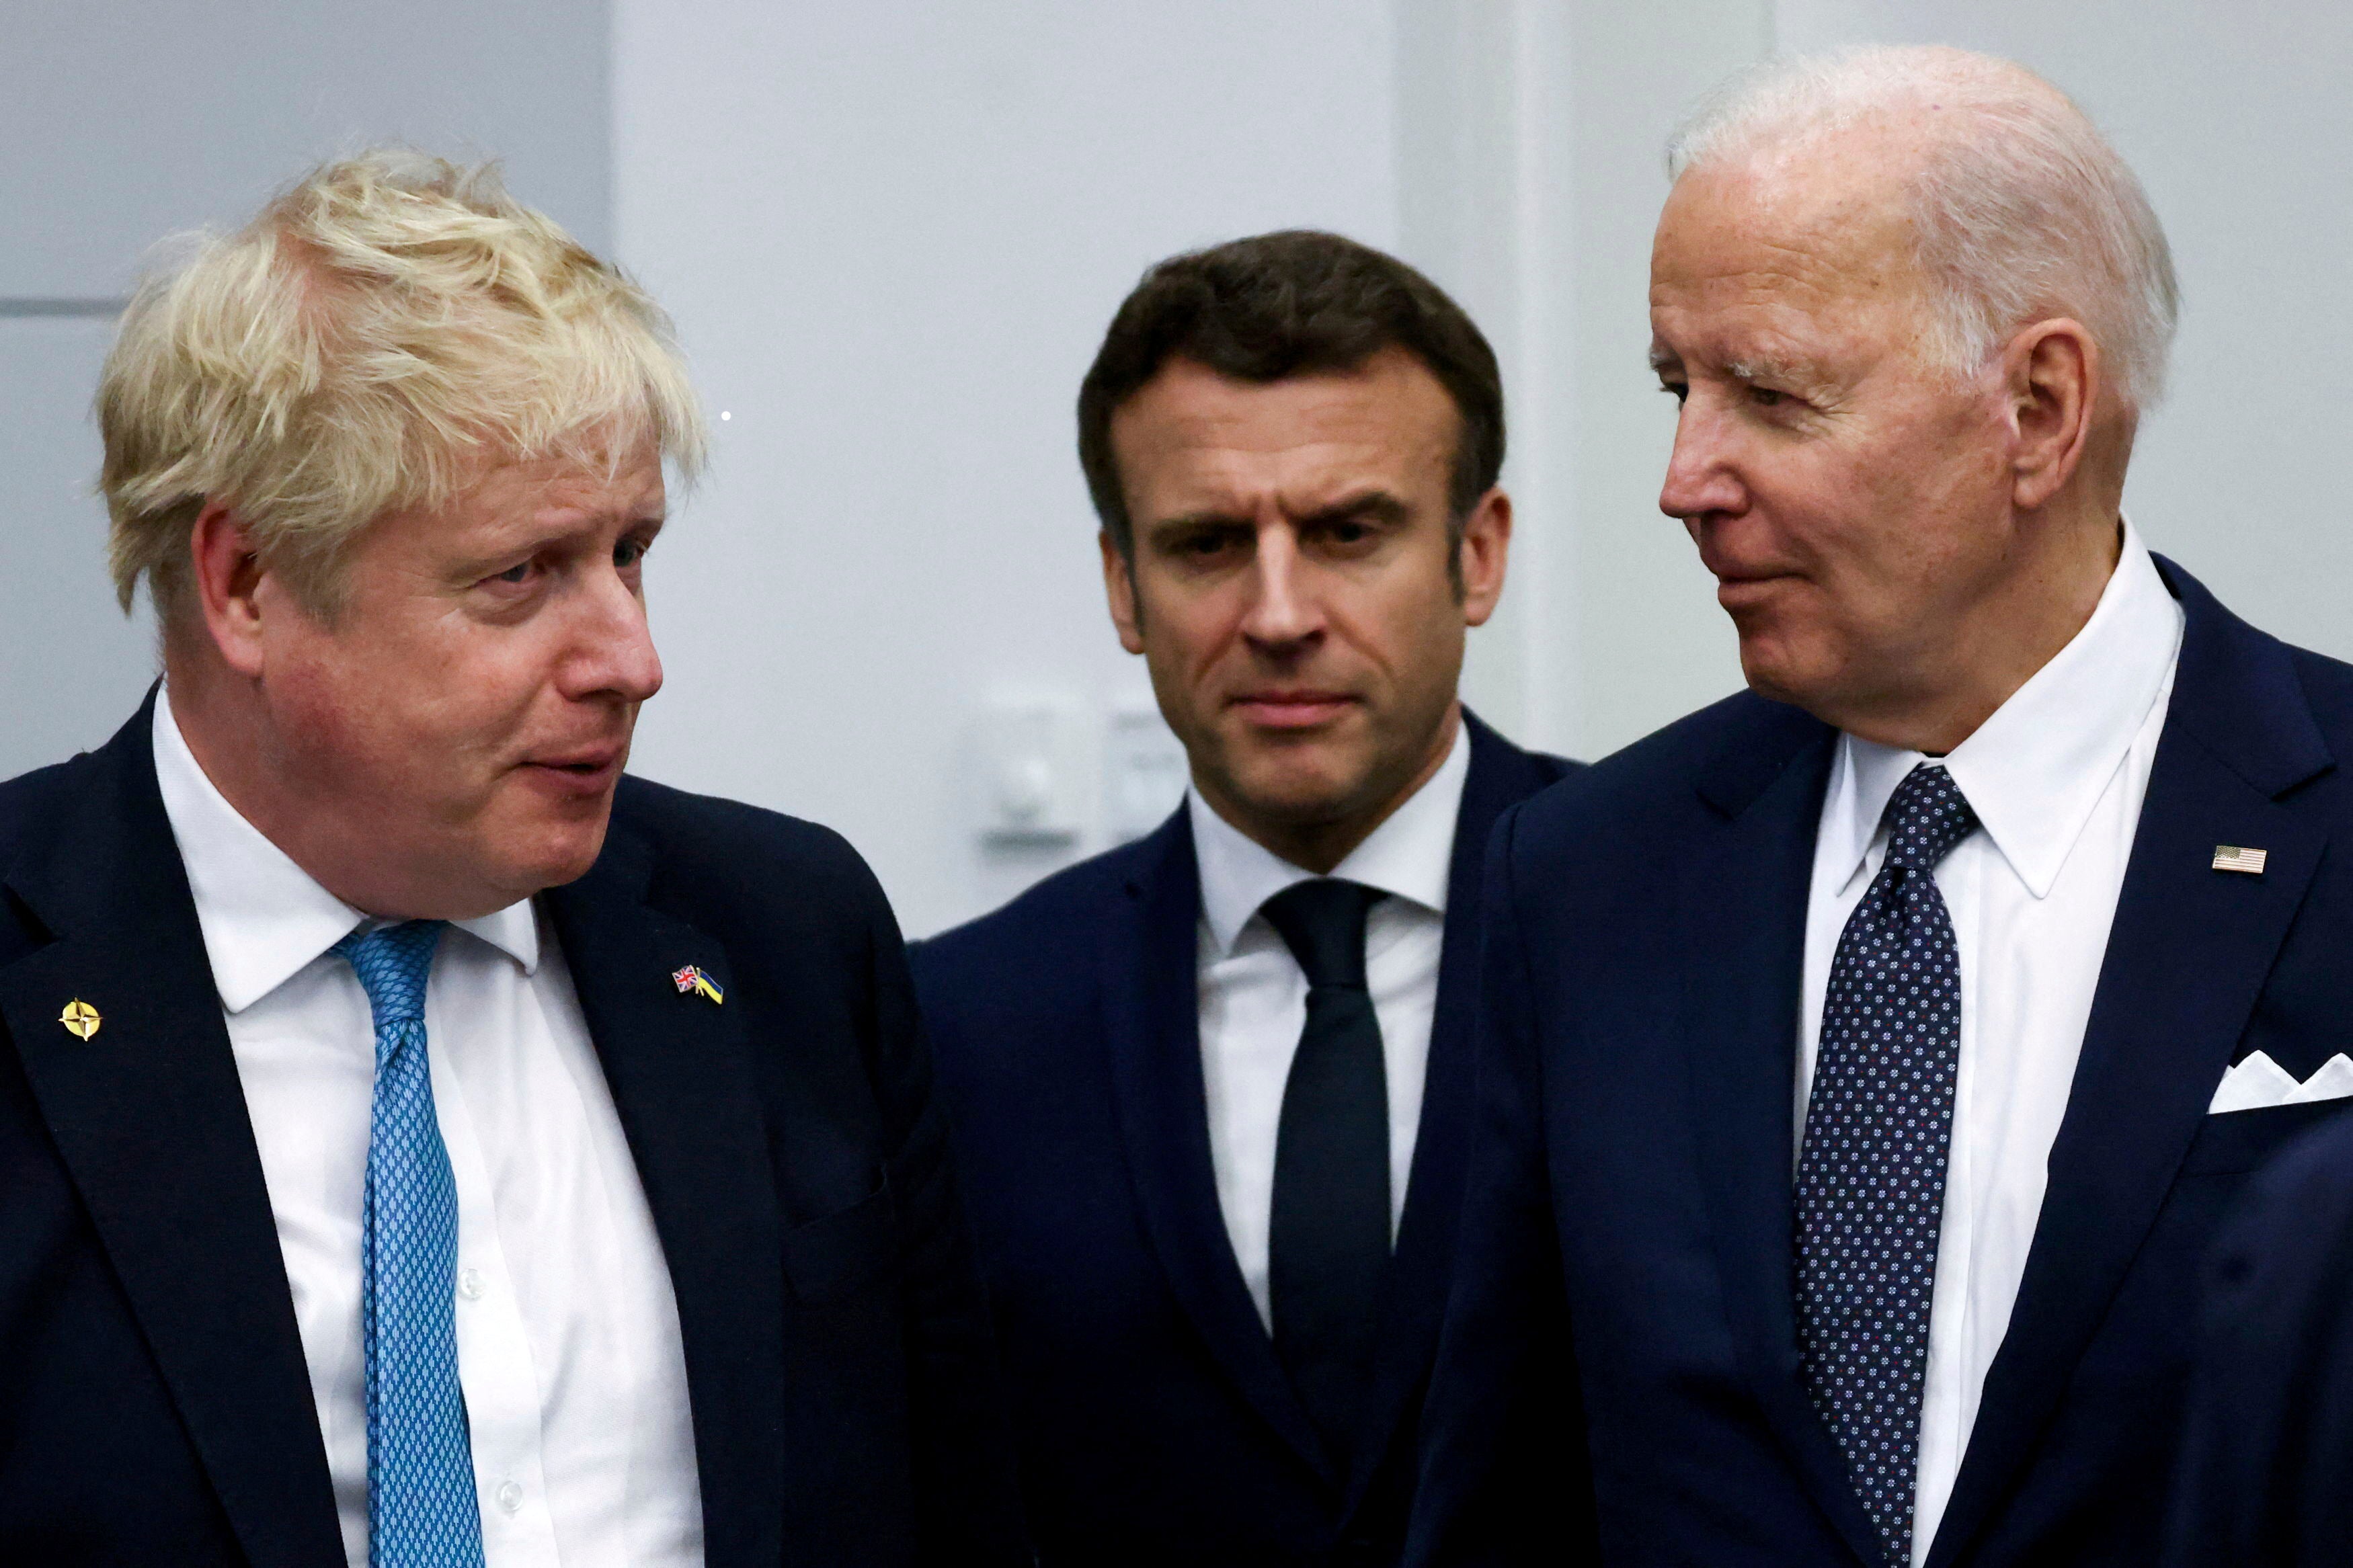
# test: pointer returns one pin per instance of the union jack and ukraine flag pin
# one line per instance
(692, 981)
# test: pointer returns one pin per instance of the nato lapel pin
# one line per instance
(692, 980)
(80, 1018)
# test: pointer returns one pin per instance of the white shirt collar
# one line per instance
(264, 918)
(2036, 769)
(1409, 856)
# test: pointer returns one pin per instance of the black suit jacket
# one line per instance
(1634, 1196)
(2267, 1479)
(1154, 1424)
(154, 1407)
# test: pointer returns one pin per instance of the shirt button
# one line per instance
(511, 1497)
(470, 1284)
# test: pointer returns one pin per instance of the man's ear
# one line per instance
(1119, 588)
(225, 577)
(2053, 377)
(1481, 555)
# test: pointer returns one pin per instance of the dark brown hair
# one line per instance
(1292, 303)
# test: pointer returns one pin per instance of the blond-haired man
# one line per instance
(424, 1145)
(1868, 1055)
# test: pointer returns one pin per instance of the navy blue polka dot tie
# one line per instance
(1871, 1177)
(422, 1512)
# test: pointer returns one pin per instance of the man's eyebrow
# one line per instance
(1663, 358)
(1378, 505)
(1800, 376)
(1765, 367)
(1183, 521)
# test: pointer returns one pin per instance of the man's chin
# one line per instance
(1297, 796)
(548, 855)
(1798, 677)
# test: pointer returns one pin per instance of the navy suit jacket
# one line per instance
(1632, 1197)
(154, 1406)
(2267, 1479)
(1154, 1424)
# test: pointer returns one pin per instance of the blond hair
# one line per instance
(387, 328)
(2020, 209)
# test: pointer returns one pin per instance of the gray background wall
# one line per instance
(891, 234)
(125, 122)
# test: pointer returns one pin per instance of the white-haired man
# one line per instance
(422, 1144)
(1867, 1057)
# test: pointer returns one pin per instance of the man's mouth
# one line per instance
(1292, 708)
(583, 768)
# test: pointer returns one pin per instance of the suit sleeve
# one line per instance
(967, 1494)
(2265, 1479)
(1505, 1473)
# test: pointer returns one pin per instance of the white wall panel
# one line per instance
(71, 667)
(2234, 117)
(892, 236)
(1532, 137)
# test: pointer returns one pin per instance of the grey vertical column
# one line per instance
(1531, 141)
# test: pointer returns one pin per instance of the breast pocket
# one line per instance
(2235, 1141)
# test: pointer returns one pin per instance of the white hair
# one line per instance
(2020, 210)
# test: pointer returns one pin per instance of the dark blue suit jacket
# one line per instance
(155, 1407)
(1153, 1422)
(2266, 1477)
(1633, 1192)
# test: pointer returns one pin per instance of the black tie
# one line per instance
(1871, 1179)
(1329, 1239)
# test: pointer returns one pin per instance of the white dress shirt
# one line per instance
(1254, 995)
(568, 1346)
(2056, 778)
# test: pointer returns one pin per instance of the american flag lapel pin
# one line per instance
(2230, 857)
(693, 980)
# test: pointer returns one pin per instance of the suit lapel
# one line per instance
(149, 1118)
(681, 1081)
(2186, 961)
(1744, 897)
(1152, 1017)
(1500, 774)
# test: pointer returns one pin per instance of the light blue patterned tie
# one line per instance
(421, 1507)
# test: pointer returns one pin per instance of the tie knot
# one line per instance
(392, 962)
(1925, 818)
(1323, 923)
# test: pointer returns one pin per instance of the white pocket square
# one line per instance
(2260, 1082)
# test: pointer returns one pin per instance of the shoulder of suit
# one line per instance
(31, 804)
(700, 841)
(2328, 685)
(1654, 787)
(1075, 898)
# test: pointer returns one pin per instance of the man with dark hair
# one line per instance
(1215, 1139)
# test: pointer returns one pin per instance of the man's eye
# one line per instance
(517, 573)
(1678, 390)
(1764, 396)
(1348, 532)
(627, 554)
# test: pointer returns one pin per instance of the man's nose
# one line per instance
(1700, 477)
(617, 653)
(1282, 608)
